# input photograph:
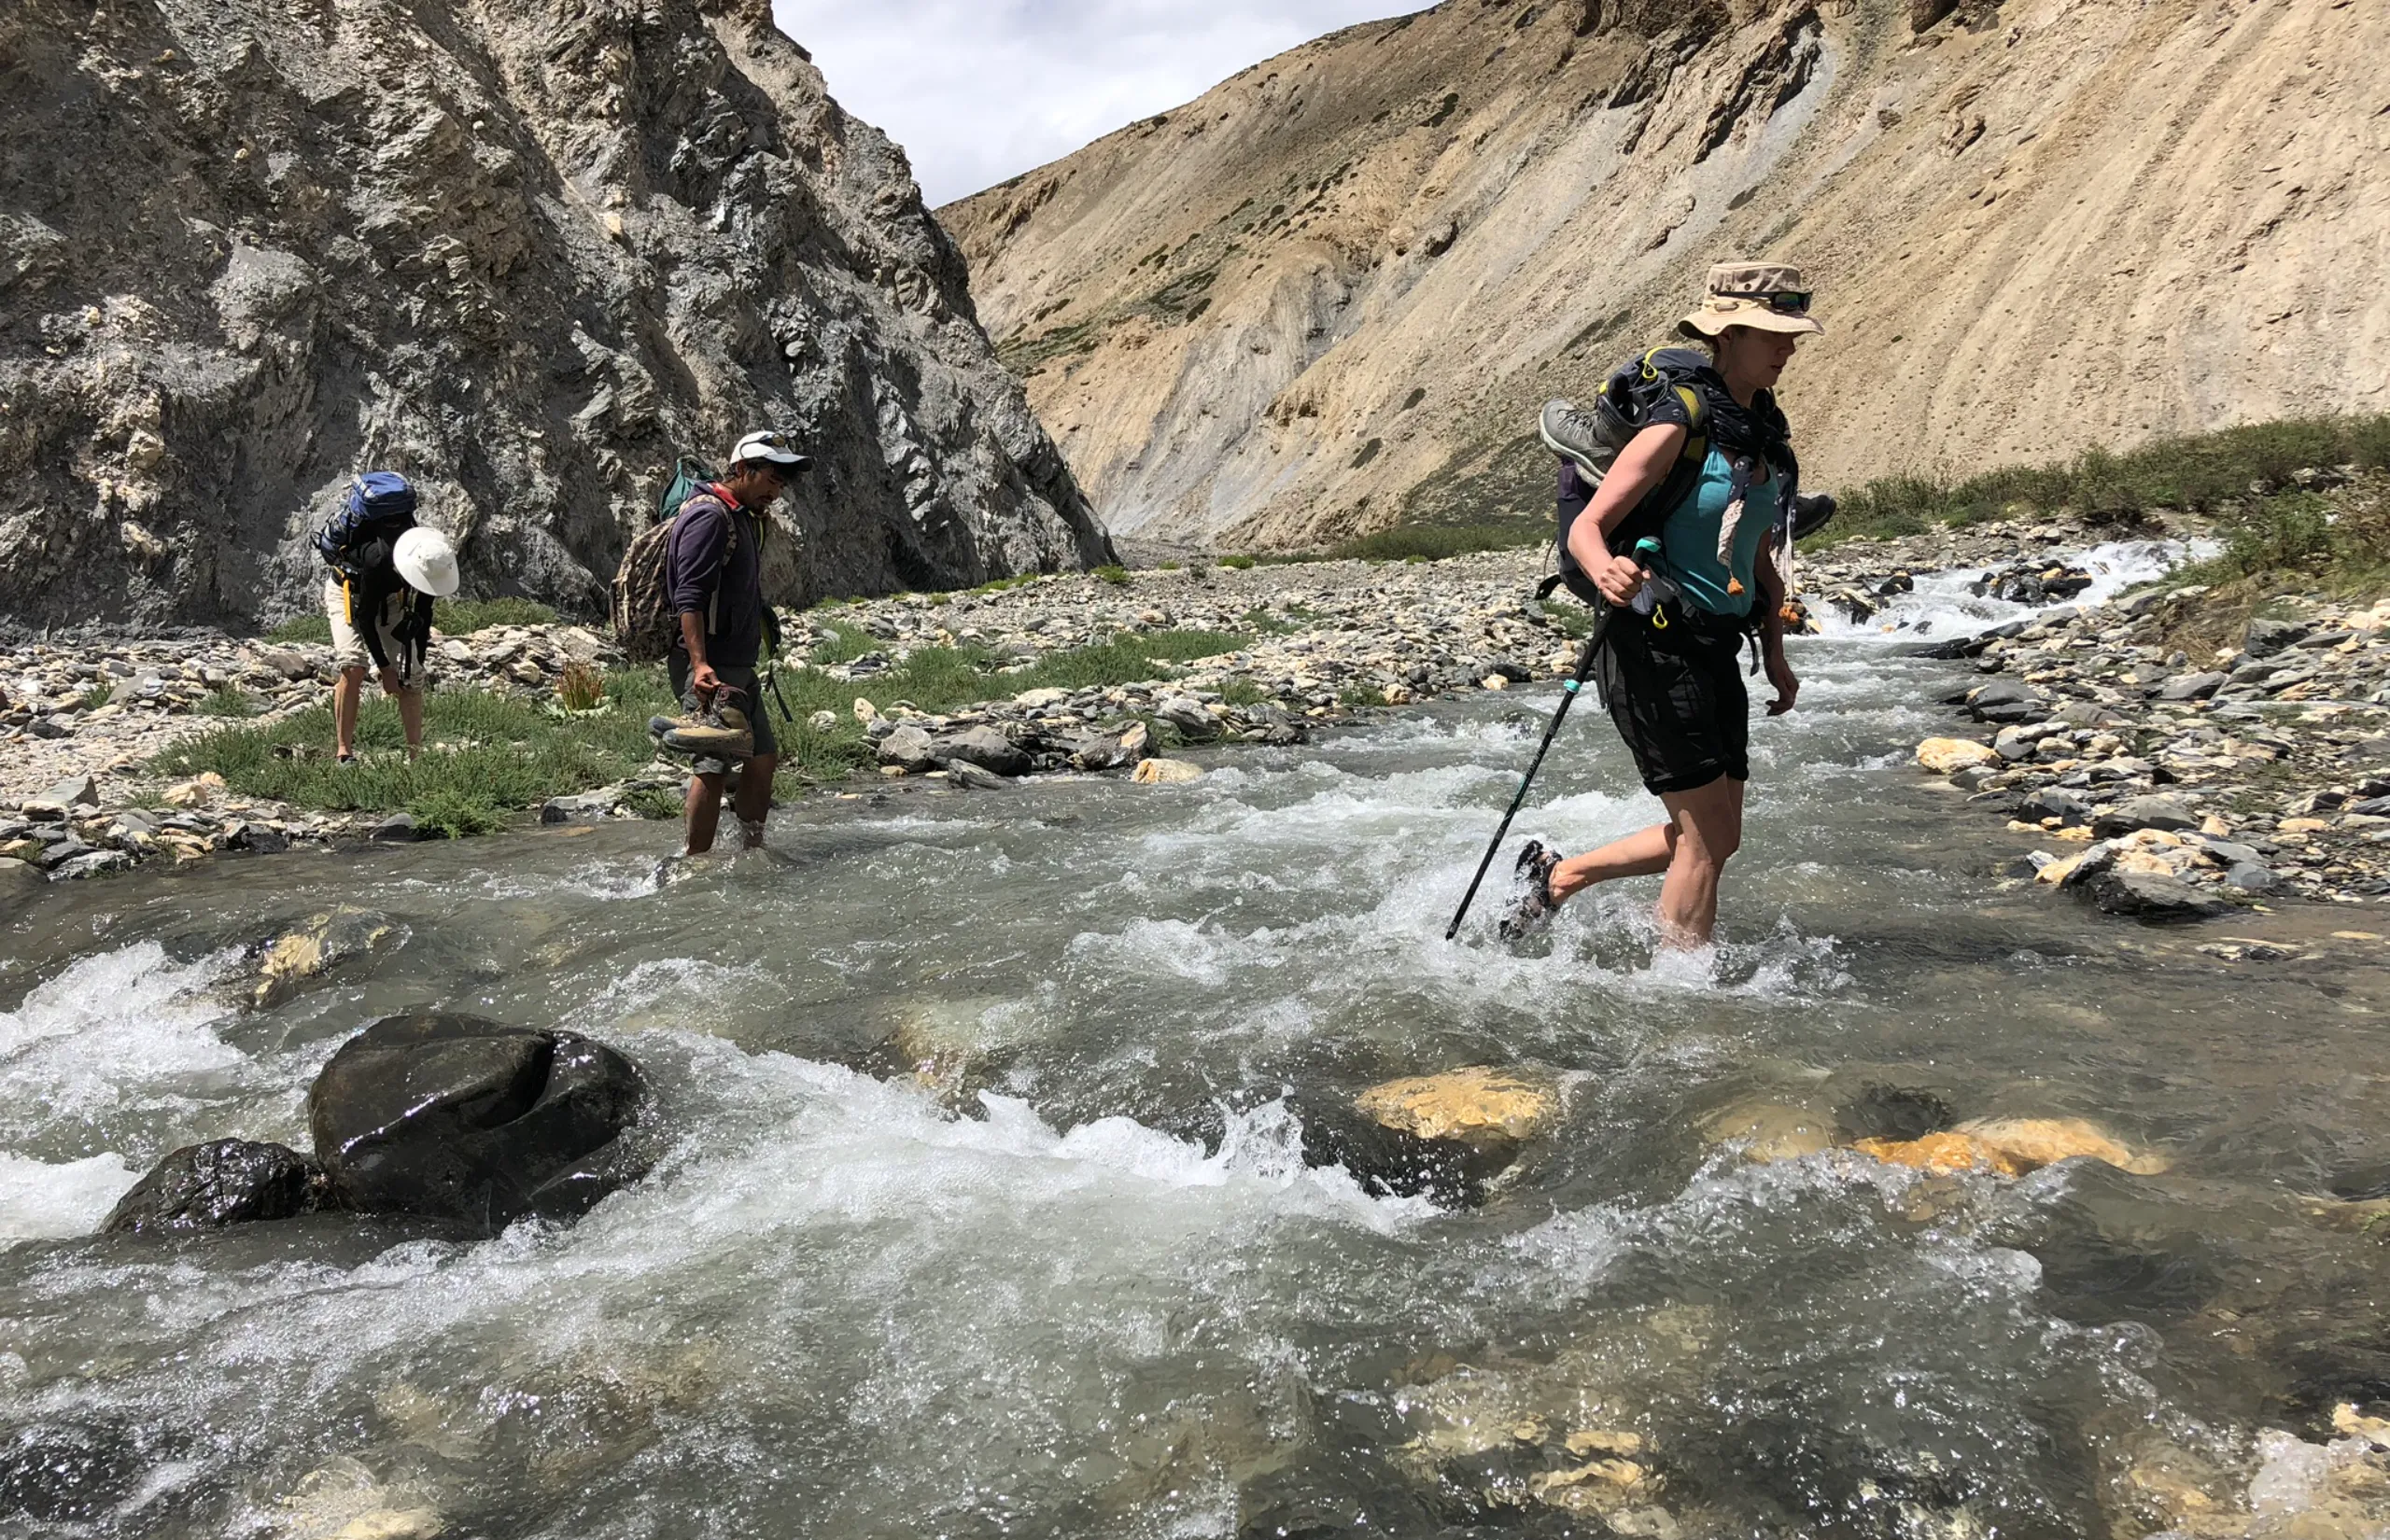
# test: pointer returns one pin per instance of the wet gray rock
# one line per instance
(2051, 801)
(2251, 877)
(983, 746)
(908, 749)
(455, 1117)
(1186, 714)
(208, 1186)
(398, 828)
(2190, 687)
(2151, 812)
(2147, 896)
(976, 777)
(552, 299)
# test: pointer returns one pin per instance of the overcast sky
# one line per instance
(977, 91)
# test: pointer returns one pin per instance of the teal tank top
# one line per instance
(1689, 540)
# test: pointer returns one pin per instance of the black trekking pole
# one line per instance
(1569, 689)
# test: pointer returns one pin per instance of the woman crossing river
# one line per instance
(1708, 477)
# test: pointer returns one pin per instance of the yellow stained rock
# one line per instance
(2351, 1423)
(1473, 1106)
(1945, 1154)
(2034, 1141)
(1397, 695)
(196, 792)
(1161, 772)
(1948, 756)
(2058, 871)
(1586, 1441)
(326, 938)
(2301, 826)
(2079, 835)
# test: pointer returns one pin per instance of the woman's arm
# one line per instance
(1641, 466)
(1770, 603)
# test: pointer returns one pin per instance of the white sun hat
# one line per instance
(426, 561)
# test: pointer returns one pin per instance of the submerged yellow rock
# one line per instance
(1473, 1106)
(1166, 772)
(2032, 1142)
(1944, 1154)
(1769, 1130)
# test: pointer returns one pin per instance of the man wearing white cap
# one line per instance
(386, 571)
(714, 573)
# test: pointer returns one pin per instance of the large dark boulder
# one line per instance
(208, 1186)
(453, 1117)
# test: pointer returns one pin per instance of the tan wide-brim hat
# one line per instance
(1764, 296)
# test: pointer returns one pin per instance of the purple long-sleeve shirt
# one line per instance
(714, 568)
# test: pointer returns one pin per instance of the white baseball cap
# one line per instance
(426, 561)
(773, 447)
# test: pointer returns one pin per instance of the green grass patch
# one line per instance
(1434, 542)
(487, 757)
(98, 695)
(1237, 563)
(1116, 576)
(2205, 472)
(226, 700)
(452, 617)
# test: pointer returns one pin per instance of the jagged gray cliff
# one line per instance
(521, 252)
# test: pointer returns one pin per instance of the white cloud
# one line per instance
(978, 90)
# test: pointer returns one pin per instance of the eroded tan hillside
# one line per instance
(1328, 296)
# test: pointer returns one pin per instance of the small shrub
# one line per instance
(581, 687)
(2288, 530)
(1237, 563)
(226, 700)
(1436, 541)
(1167, 567)
(98, 695)
(457, 815)
(656, 804)
(1116, 576)
(2104, 490)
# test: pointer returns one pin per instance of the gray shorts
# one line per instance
(750, 699)
(348, 638)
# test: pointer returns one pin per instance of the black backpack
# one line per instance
(1623, 409)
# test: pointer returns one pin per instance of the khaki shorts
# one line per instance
(348, 641)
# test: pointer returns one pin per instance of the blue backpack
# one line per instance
(378, 506)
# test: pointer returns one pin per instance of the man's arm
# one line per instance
(701, 541)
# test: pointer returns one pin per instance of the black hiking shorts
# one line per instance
(1677, 695)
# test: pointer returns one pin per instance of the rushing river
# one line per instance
(1088, 1286)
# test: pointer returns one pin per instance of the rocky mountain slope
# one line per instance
(1328, 296)
(522, 252)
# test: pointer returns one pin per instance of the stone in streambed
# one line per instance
(208, 1186)
(910, 749)
(1943, 1154)
(1444, 1135)
(316, 948)
(2153, 896)
(983, 746)
(1159, 771)
(65, 799)
(1768, 1130)
(1187, 714)
(455, 1117)
(963, 773)
(2037, 1142)
(1946, 756)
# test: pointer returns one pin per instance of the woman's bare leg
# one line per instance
(1709, 826)
(1641, 854)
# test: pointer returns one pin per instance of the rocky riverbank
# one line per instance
(2178, 784)
(2162, 782)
